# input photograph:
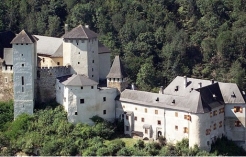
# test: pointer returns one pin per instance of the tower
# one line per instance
(24, 72)
(117, 76)
(80, 50)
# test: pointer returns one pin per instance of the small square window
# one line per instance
(136, 108)
(82, 101)
(176, 114)
(186, 130)
(21, 54)
(78, 62)
(145, 110)
(104, 98)
(22, 89)
(156, 111)
(58, 63)
(76, 113)
(92, 69)
(135, 118)
(78, 52)
(92, 75)
(142, 119)
(92, 87)
(81, 87)
(176, 127)
(22, 65)
(6, 80)
(92, 61)
(104, 111)
(77, 43)
(26, 44)
(159, 122)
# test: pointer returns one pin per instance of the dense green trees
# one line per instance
(203, 39)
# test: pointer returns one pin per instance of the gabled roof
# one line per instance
(8, 56)
(228, 90)
(76, 80)
(117, 69)
(80, 32)
(49, 46)
(102, 48)
(197, 101)
(24, 37)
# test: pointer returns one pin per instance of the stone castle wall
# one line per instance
(46, 80)
(6, 84)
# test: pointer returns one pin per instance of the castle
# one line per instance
(72, 69)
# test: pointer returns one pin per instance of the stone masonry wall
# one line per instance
(6, 85)
(46, 80)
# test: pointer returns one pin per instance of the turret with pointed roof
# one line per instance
(117, 75)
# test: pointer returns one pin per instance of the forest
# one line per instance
(156, 39)
(49, 131)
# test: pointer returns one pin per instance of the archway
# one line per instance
(159, 133)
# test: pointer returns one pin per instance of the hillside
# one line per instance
(49, 133)
(157, 40)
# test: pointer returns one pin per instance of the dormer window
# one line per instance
(238, 109)
(173, 101)
(233, 95)
(177, 88)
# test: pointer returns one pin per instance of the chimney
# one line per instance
(185, 81)
(86, 26)
(133, 86)
(66, 28)
(200, 85)
(212, 81)
(161, 90)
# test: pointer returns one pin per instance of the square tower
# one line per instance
(24, 72)
(80, 50)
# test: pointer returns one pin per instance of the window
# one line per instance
(92, 87)
(6, 80)
(156, 111)
(79, 52)
(211, 114)
(22, 80)
(81, 87)
(214, 126)
(158, 122)
(92, 51)
(208, 143)
(22, 89)
(142, 119)
(176, 114)
(22, 65)
(220, 124)
(76, 113)
(122, 116)
(238, 123)
(136, 108)
(58, 63)
(92, 75)
(186, 130)
(104, 111)
(145, 110)
(92, 61)
(82, 101)
(104, 98)
(43, 60)
(22, 54)
(208, 131)
(135, 118)
(127, 128)
(77, 43)
(146, 131)
(78, 62)
(92, 69)
(176, 127)
(238, 109)
(215, 113)
(123, 106)
(188, 117)
(221, 110)
(127, 117)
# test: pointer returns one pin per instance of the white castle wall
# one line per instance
(94, 103)
(24, 67)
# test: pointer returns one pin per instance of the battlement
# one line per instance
(7, 69)
(54, 71)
